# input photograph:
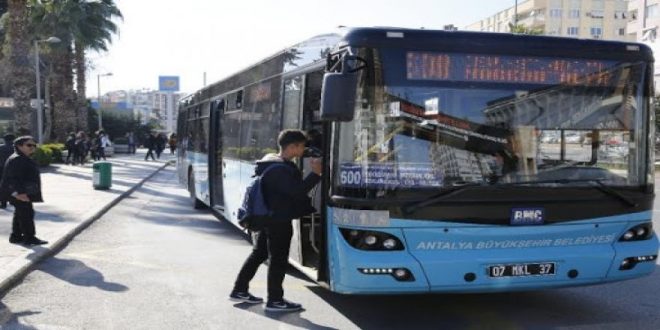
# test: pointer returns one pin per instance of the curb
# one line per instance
(40, 254)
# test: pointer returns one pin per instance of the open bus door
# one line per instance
(302, 96)
(215, 155)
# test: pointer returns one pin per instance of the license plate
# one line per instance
(535, 269)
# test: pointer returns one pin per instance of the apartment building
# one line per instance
(145, 104)
(599, 19)
(644, 19)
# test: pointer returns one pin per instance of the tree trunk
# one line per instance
(19, 52)
(64, 120)
(81, 85)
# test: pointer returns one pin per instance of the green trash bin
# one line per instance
(102, 175)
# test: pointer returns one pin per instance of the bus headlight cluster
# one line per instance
(629, 263)
(638, 233)
(371, 240)
(400, 274)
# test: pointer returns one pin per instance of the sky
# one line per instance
(221, 37)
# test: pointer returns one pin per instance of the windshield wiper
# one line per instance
(410, 208)
(599, 185)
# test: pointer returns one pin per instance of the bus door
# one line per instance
(215, 155)
(302, 98)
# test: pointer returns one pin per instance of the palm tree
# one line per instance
(49, 18)
(87, 25)
(94, 31)
(18, 54)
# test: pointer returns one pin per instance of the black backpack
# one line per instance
(254, 212)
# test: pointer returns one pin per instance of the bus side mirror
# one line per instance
(338, 96)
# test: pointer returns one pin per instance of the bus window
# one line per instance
(312, 104)
(291, 108)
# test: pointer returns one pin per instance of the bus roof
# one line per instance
(314, 49)
(494, 43)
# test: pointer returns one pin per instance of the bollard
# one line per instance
(102, 175)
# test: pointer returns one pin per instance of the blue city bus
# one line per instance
(453, 161)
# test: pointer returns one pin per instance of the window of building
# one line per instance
(597, 13)
(621, 31)
(555, 12)
(619, 14)
(596, 31)
(652, 11)
(598, 5)
(572, 31)
(574, 13)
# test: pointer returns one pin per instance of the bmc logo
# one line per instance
(527, 216)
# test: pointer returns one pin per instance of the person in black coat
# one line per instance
(5, 151)
(150, 142)
(21, 184)
(285, 193)
(70, 146)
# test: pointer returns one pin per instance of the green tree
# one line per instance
(81, 25)
(93, 32)
(522, 29)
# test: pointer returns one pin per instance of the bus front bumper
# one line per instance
(442, 266)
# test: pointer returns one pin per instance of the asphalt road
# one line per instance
(153, 263)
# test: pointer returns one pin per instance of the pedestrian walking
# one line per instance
(93, 146)
(103, 142)
(131, 142)
(70, 146)
(150, 143)
(5, 151)
(161, 140)
(172, 143)
(81, 148)
(21, 184)
(285, 193)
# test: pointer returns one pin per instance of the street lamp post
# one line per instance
(40, 120)
(98, 85)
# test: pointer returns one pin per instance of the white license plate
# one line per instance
(516, 270)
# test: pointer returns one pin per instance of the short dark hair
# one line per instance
(291, 136)
(22, 139)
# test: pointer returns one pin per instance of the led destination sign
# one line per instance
(507, 69)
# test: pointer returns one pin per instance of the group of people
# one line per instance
(80, 145)
(156, 142)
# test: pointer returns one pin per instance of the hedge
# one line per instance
(48, 153)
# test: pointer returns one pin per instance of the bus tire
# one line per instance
(196, 203)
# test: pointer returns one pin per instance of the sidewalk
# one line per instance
(71, 204)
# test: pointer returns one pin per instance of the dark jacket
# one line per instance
(284, 189)
(70, 144)
(5, 151)
(21, 175)
(150, 142)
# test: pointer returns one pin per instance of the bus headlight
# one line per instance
(638, 233)
(389, 244)
(371, 240)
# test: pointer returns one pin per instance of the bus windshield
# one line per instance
(433, 120)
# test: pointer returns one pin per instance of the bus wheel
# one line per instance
(196, 203)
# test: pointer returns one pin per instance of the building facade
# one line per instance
(145, 104)
(643, 27)
(589, 19)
